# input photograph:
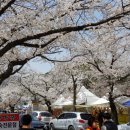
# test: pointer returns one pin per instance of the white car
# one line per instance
(70, 121)
(124, 126)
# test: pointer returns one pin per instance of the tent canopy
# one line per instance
(59, 101)
(100, 101)
(126, 104)
(83, 96)
(90, 98)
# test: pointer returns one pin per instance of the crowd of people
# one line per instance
(103, 122)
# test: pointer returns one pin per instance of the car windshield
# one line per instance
(85, 116)
(46, 114)
(34, 118)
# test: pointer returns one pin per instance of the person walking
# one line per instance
(26, 122)
(100, 119)
(92, 124)
(108, 123)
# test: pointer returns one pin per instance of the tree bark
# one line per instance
(12, 108)
(113, 110)
(113, 106)
(48, 103)
(74, 97)
(74, 92)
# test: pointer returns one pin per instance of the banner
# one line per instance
(9, 121)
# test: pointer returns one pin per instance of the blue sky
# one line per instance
(42, 66)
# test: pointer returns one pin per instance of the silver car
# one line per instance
(43, 116)
(70, 121)
(36, 124)
(124, 126)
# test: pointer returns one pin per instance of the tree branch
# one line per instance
(60, 30)
(2, 11)
(96, 66)
(120, 95)
(123, 78)
(114, 58)
(20, 43)
(11, 65)
(44, 57)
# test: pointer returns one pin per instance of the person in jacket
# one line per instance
(100, 119)
(92, 124)
(26, 122)
(108, 123)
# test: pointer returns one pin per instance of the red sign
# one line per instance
(9, 121)
(9, 117)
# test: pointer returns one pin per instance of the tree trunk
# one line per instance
(12, 108)
(74, 93)
(48, 103)
(113, 109)
(74, 98)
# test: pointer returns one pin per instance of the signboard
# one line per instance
(9, 121)
(35, 105)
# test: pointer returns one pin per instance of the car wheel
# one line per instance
(52, 127)
(71, 128)
(45, 128)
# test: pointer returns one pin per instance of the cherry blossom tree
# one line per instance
(108, 57)
(37, 28)
(39, 88)
(11, 96)
(67, 78)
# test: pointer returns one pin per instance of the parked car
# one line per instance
(70, 121)
(43, 116)
(124, 126)
(38, 125)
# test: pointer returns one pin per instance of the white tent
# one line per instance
(59, 101)
(100, 101)
(83, 96)
(62, 101)
(89, 97)
(67, 101)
